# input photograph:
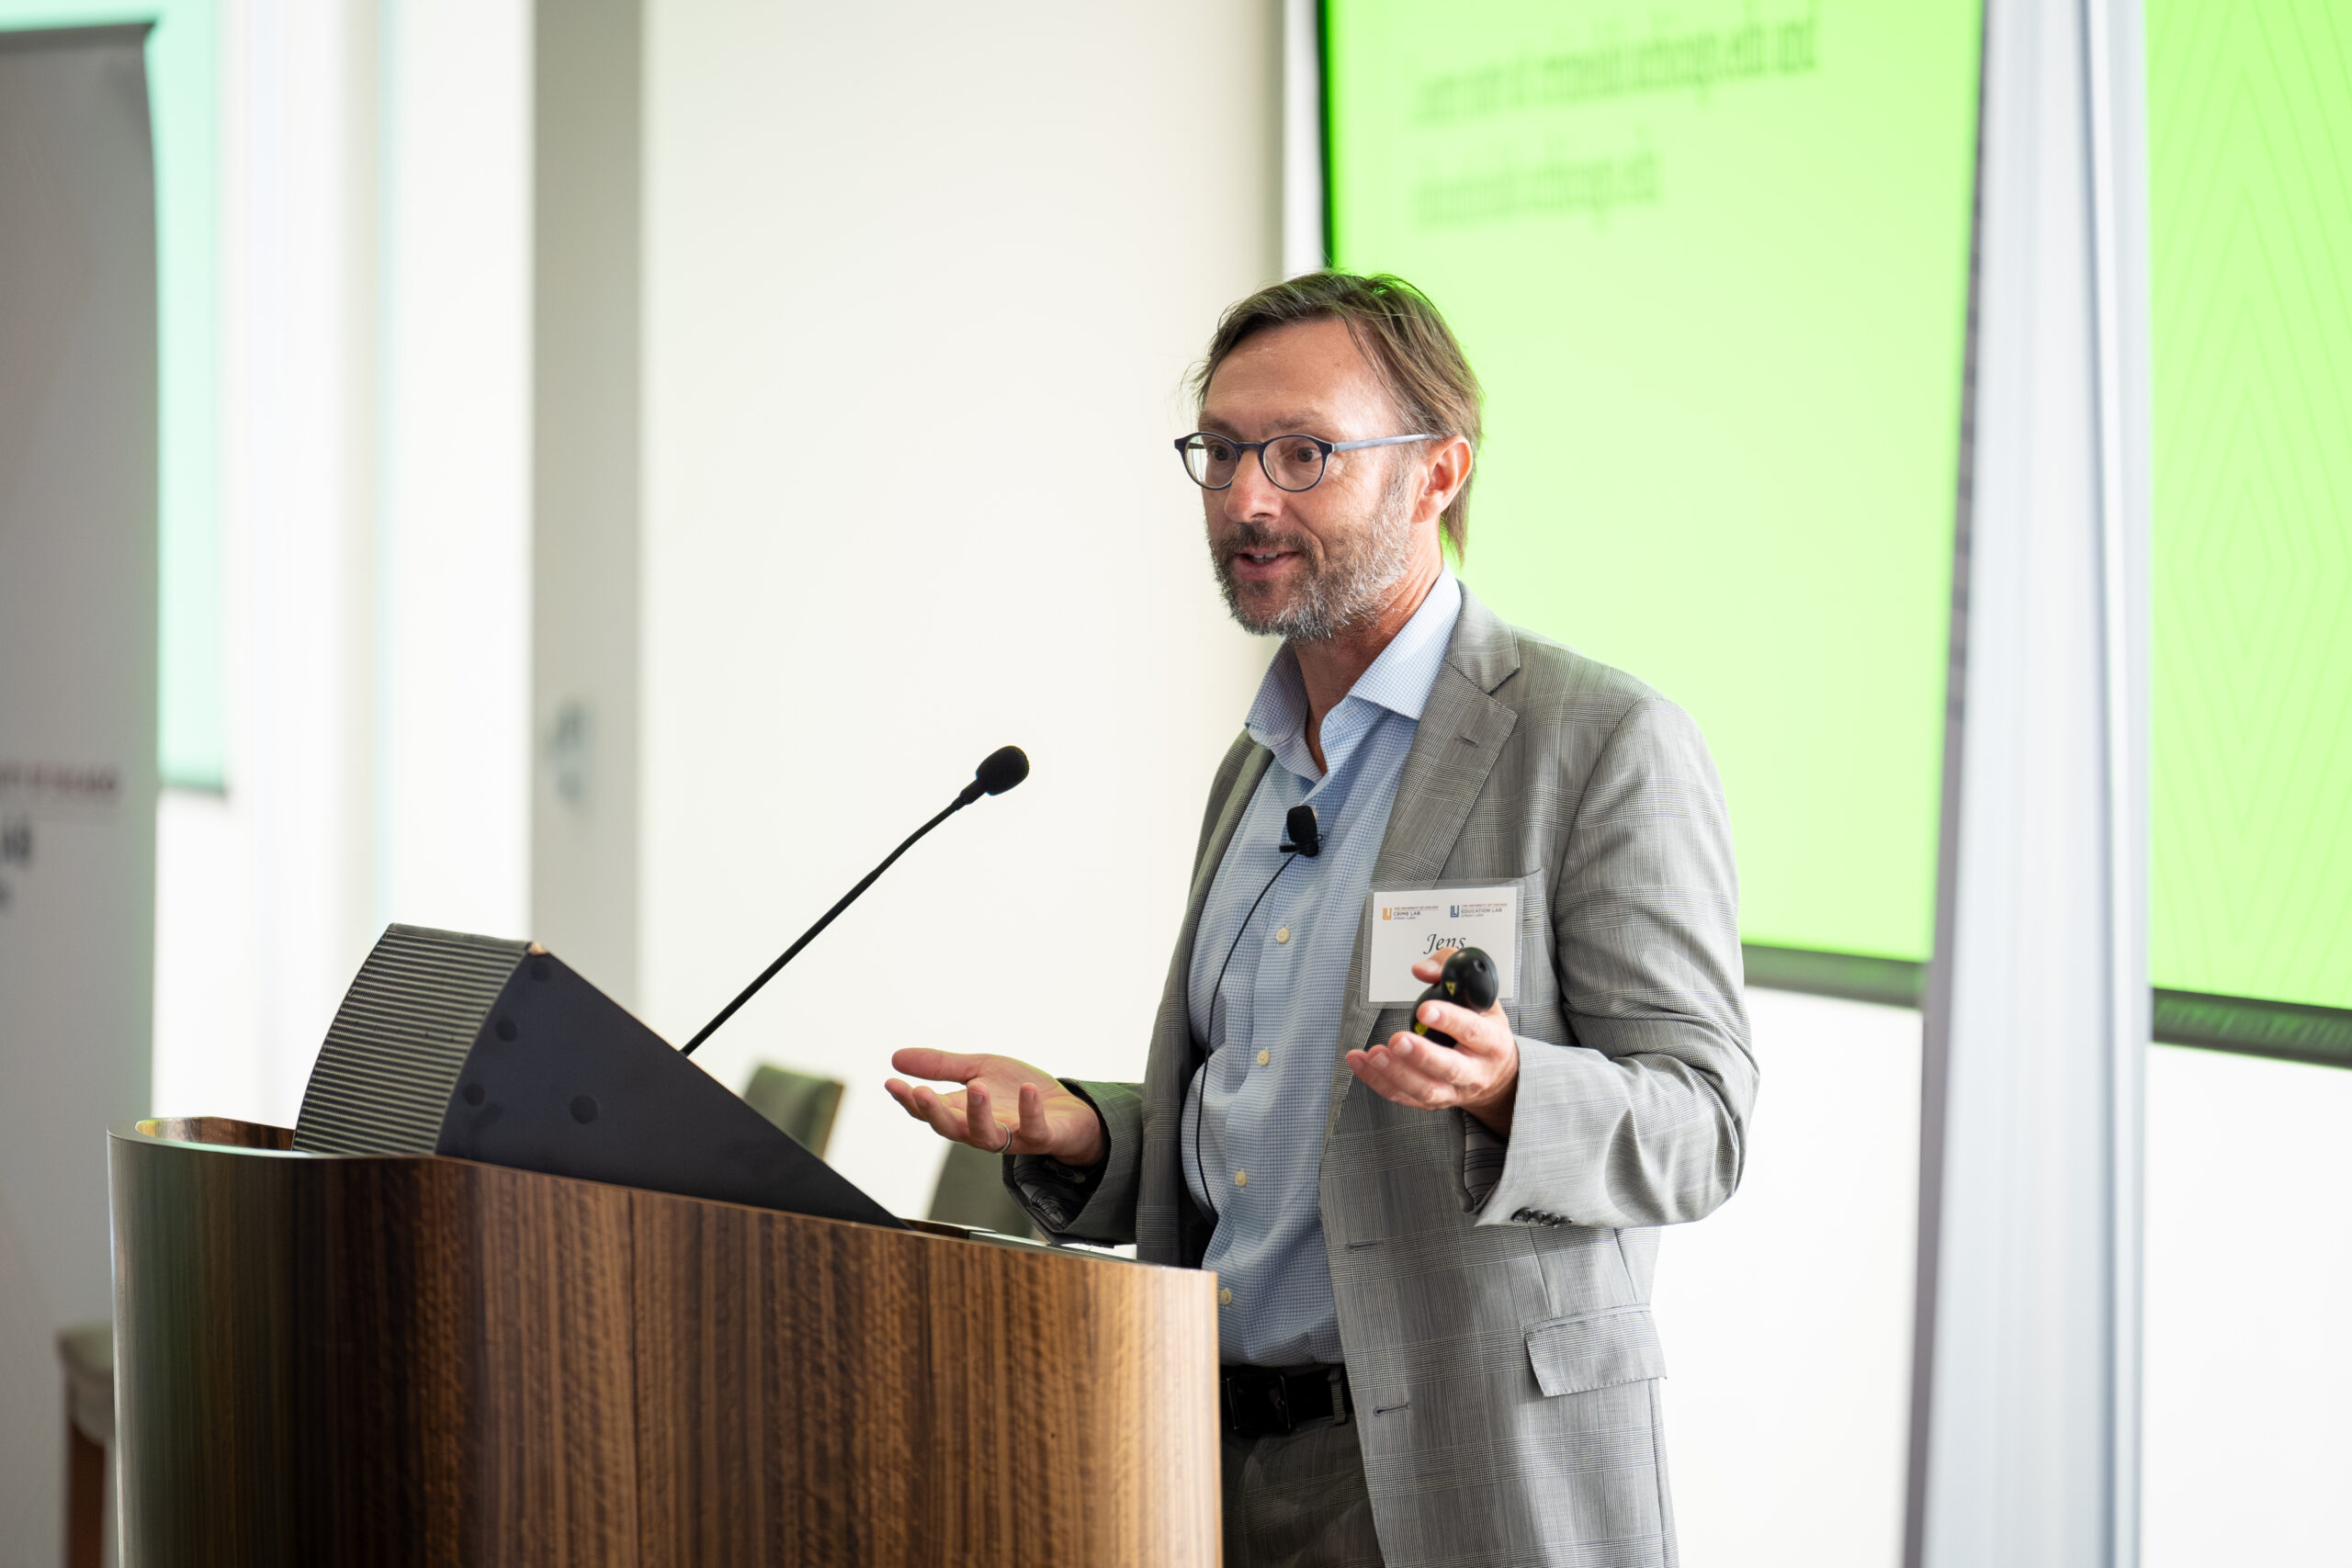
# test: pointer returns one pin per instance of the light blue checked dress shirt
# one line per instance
(1252, 1138)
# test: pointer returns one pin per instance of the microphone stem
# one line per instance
(811, 934)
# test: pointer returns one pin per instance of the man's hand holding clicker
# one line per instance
(1479, 1072)
(1040, 1117)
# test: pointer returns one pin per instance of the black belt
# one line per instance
(1262, 1403)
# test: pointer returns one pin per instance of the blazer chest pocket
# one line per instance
(1595, 1349)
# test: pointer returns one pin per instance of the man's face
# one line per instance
(1310, 565)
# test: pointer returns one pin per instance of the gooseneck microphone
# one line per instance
(997, 771)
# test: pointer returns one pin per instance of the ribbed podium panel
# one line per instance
(382, 1081)
(414, 1359)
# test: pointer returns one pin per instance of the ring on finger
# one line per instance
(1008, 1141)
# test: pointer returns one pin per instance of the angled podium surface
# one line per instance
(415, 1358)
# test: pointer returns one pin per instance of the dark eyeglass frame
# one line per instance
(1325, 447)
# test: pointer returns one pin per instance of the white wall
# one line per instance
(922, 284)
(2249, 1294)
(1786, 1315)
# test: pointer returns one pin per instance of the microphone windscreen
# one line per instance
(1002, 769)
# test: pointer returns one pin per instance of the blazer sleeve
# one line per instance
(1097, 1204)
(1642, 1120)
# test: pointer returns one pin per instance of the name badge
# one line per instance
(1411, 925)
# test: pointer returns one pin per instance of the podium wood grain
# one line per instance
(418, 1360)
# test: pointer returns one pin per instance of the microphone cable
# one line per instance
(1306, 840)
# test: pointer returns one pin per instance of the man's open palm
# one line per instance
(1000, 1094)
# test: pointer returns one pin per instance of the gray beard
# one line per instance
(1341, 591)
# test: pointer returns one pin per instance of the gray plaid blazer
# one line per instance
(1494, 1296)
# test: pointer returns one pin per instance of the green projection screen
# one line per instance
(1711, 264)
(2250, 266)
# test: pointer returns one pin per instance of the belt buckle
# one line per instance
(1267, 1397)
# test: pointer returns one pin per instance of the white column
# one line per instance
(589, 70)
(453, 747)
(2025, 1433)
(265, 895)
(375, 425)
(1306, 245)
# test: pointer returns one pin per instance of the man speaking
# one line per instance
(1433, 1261)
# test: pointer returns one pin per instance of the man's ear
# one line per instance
(1447, 471)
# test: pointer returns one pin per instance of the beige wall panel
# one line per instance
(921, 285)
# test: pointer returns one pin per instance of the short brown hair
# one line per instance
(1398, 330)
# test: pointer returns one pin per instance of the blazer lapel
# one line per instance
(1461, 733)
(1172, 1057)
(1167, 1229)
(1228, 822)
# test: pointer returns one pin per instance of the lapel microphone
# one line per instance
(1305, 834)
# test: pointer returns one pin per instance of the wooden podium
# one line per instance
(408, 1359)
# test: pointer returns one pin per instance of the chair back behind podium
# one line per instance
(413, 1359)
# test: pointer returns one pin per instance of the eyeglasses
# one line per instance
(1292, 462)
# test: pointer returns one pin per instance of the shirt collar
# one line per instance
(1400, 680)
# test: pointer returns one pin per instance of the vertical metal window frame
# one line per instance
(2025, 1440)
(1306, 194)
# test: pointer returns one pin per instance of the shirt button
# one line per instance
(1283, 934)
(1241, 1179)
(1264, 1056)
(1224, 1298)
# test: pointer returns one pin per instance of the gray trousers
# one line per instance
(1297, 1500)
